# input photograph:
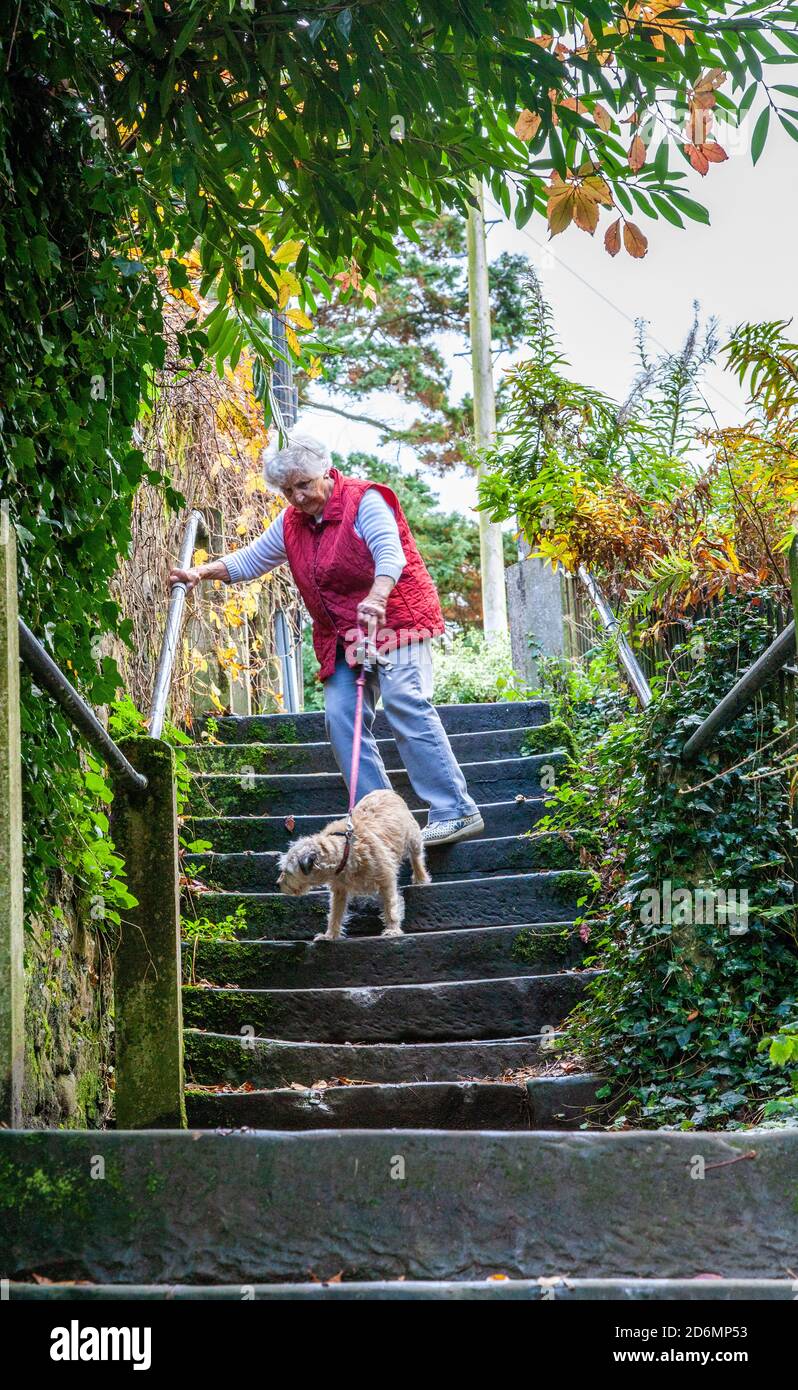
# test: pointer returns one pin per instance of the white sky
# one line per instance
(741, 267)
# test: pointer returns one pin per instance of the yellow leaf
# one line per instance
(301, 320)
(255, 482)
(292, 340)
(560, 207)
(287, 252)
(199, 557)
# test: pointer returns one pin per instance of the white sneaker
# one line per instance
(446, 832)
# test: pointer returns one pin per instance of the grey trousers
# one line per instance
(421, 739)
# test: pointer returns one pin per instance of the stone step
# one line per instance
(309, 728)
(239, 834)
(368, 1205)
(277, 758)
(700, 1289)
(212, 1058)
(481, 954)
(439, 1012)
(499, 901)
(261, 794)
(566, 1102)
(425, 1105)
(256, 871)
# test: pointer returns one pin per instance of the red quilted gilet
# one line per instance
(333, 569)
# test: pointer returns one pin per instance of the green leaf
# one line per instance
(760, 134)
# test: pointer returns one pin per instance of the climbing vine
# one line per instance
(80, 325)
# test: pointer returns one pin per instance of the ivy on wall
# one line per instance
(698, 939)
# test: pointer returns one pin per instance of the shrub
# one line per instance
(470, 669)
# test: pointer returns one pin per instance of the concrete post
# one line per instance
(12, 970)
(535, 604)
(147, 984)
(491, 544)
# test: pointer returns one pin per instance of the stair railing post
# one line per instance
(147, 971)
(12, 970)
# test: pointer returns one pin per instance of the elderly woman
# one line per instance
(356, 565)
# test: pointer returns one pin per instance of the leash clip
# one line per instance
(367, 656)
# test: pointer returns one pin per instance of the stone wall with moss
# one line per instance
(68, 1017)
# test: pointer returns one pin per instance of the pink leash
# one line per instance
(357, 736)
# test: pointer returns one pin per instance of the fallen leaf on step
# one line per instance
(289, 822)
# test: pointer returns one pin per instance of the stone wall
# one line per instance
(68, 1023)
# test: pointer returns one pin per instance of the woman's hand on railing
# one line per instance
(214, 569)
(191, 578)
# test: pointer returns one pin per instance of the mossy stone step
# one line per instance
(276, 758)
(302, 728)
(546, 1102)
(567, 1102)
(238, 834)
(256, 871)
(499, 901)
(481, 954)
(445, 1012)
(212, 1058)
(269, 1207)
(422, 1105)
(259, 794)
(700, 1289)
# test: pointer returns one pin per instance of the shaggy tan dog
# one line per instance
(385, 835)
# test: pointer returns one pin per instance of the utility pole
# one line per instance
(491, 548)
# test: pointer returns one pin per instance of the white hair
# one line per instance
(303, 456)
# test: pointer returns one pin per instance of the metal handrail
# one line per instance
(633, 670)
(751, 681)
(171, 636)
(53, 680)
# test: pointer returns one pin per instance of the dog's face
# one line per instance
(300, 867)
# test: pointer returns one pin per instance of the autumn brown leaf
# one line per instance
(697, 158)
(527, 125)
(637, 154)
(602, 117)
(585, 210)
(634, 240)
(714, 152)
(612, 238)
(574, 105)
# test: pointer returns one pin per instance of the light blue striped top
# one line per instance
(375, 524)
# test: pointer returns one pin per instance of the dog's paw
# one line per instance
(326, 936)
(393, 931)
